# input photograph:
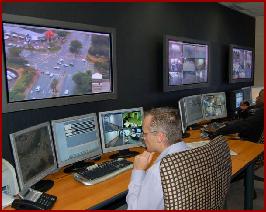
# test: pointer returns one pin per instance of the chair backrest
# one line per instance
(197, 179)
(260, 159)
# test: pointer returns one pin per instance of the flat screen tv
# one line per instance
(186, 63)
(241, 64)
(51, 63)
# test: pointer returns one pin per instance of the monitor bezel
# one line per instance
(60, 163)
(127, 146)
(166, 86)
(25, 185)
(198, 120)
(183, 125)
(230, 78)
(64, 100)
(214, 117)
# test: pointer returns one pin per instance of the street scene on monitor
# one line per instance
(188, 63)
(46, 62)
(214, 105)
(242, 64)
(35, 152)
(122, 128)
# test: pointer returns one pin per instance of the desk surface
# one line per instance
(74, 195)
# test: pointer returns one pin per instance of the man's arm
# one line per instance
(233, 127)
(145, 190)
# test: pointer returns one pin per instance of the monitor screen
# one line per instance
(214, 105)
(247, 94)
(48, 61)
(241, 64)
(186, 63)
(193, 107)
(239, 98)
(34, 155)
(76, 138)
(121, 129)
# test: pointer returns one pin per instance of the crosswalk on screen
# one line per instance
(121, 129)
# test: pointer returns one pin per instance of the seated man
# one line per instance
(243, 111)
(162, 134)
(250, 128)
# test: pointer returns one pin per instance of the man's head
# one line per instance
(244, 105)
(260, 99)
(161, 128)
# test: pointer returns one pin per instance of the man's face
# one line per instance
(149, 136)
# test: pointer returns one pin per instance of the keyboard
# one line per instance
(213, 126)
(100, 172)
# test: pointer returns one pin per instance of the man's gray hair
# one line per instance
(166, 120)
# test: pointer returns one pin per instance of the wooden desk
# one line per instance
(72, 195)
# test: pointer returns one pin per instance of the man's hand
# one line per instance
(143, 160)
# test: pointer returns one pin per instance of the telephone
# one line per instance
(23, 204)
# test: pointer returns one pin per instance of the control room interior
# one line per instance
(138, 66)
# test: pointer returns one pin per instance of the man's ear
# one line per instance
(161, 137)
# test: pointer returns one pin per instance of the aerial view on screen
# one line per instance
(34, 152)
(242, 63)
(44, 62)
(188, 63)
(122, 128)
(214, 105)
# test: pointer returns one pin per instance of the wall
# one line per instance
(140, 28)
(259, 52)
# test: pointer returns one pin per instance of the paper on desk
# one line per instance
(6, 200)
(197, 144)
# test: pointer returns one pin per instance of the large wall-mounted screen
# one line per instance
(186, 64)
(241, 62)
(48, 61)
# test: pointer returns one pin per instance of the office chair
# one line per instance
(197, 179)
(260, 160)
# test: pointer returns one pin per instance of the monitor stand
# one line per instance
(195, 127)
(126, 153)
(43, 185)
(76, 166)
(185, 135)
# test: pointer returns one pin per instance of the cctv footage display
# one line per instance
(35, 152)
(239, 99)
(45, 62)
(188, 63)
(122, 128)
(242, 64)
(193, 109)
(214, 105)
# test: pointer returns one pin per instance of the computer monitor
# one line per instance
(214, 105)
(255, 90)
(235, 98)
(247, 94)
(76, 138)
(121, 130)
(190, 111)
(34, 154)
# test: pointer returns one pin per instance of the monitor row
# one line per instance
(197, 108)
(39, 151)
